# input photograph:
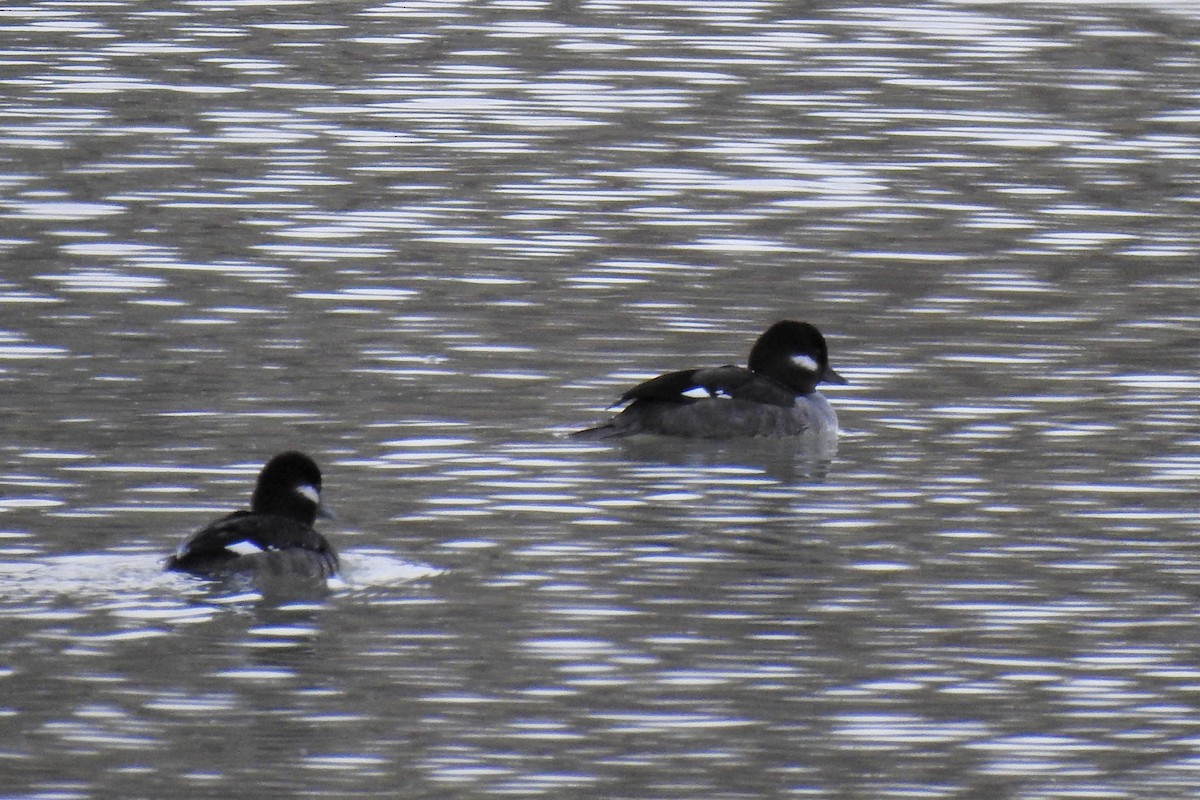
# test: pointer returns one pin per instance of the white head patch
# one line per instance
(309, 492)
(806, 363)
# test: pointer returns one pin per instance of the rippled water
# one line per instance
(422, 241)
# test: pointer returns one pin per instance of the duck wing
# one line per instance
(259, 531)
(729, 381)
(670, 387)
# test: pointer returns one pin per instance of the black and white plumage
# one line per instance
(774, 395)
(275, 537)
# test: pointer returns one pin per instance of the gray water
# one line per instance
(422, 241)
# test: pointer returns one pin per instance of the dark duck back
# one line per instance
(774, 395)
(275, 537)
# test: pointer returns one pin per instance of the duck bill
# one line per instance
(325, 512)
(832, 377)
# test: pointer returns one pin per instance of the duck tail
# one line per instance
(606, 431)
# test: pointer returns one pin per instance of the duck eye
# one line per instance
(309, 492)
(805, 362)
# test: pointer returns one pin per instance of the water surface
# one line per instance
(422, 241)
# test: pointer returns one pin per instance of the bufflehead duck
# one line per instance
(776, 396)
(275, 537)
